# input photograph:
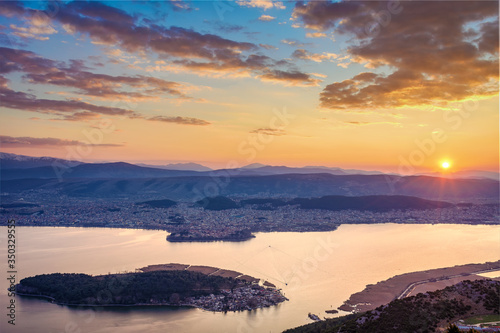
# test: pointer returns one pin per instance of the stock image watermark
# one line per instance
(11, 271)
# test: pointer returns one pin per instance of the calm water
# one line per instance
(317, 271)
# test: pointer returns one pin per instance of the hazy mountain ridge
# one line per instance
(14, 161)
(178, 166)
(376, 203)
(119, 179)
(92, 170)
(19, 166)
(276, 186)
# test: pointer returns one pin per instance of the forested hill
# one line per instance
(157, 287)
(132, 288)
(421, 313)
(330, 202)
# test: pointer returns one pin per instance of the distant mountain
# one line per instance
(92, 170)
(217, 203)
(254, 166)
(280, 170)
(346, 171)
(14, 161)
(178, 166)
(124, 179)
(192, 189)
(474, 174)
(165, 203)
(266, 170)
(378, 203)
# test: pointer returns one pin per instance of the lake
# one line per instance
(317, 271)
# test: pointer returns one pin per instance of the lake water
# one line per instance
(317, 271)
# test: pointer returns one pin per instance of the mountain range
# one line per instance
(20, 166)
(120, 179)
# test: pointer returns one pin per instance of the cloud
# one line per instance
(322, 15)
(315, 35)
(263, 4)
(442, 52)
(27, 102)
(25, 141)
(290, 78)
(179, 5)
(364, 123)
(114, 28)
(268, 47)
(266, 18)
(316, 57)
(75, 110)
(269, 131)
(291, 42)
(180, 120)
(38, 24)
(40, 70)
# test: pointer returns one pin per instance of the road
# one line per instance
(412, 286)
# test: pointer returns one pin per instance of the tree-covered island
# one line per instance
(169, 288)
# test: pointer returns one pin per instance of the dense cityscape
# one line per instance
(194, 221)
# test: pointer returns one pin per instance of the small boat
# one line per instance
(314, 317)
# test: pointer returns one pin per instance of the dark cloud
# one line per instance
(439, 51)
(322, 15)
(27, 102)
(75, 110)
(180, 120)
(268, 47)
(183, 47)
(306, 55)
(25, 141)
(11, 8)
(44, 71)
(292, 78)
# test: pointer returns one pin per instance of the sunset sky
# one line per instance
(393, 86)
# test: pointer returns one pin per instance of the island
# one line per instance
(203, 287)
(193, 236)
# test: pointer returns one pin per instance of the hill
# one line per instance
(217, 203)
(14, 161)
(165, 203)
(92, 170)
(276, 186)
(425, 312)
(377, 203)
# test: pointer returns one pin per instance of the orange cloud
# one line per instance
(442, 52)
(24, 141)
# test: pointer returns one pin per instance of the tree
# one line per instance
(452, 328)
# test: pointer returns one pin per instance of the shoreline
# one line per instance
(139, 305)
(485, 223)
(401, 286)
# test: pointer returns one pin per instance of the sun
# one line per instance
(445, 165)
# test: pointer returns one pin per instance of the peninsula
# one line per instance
(409, 284)
(203, 287)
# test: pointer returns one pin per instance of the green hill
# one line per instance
(417, 314)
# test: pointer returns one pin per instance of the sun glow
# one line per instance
(445, 165)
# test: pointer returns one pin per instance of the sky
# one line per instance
(391, 86)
